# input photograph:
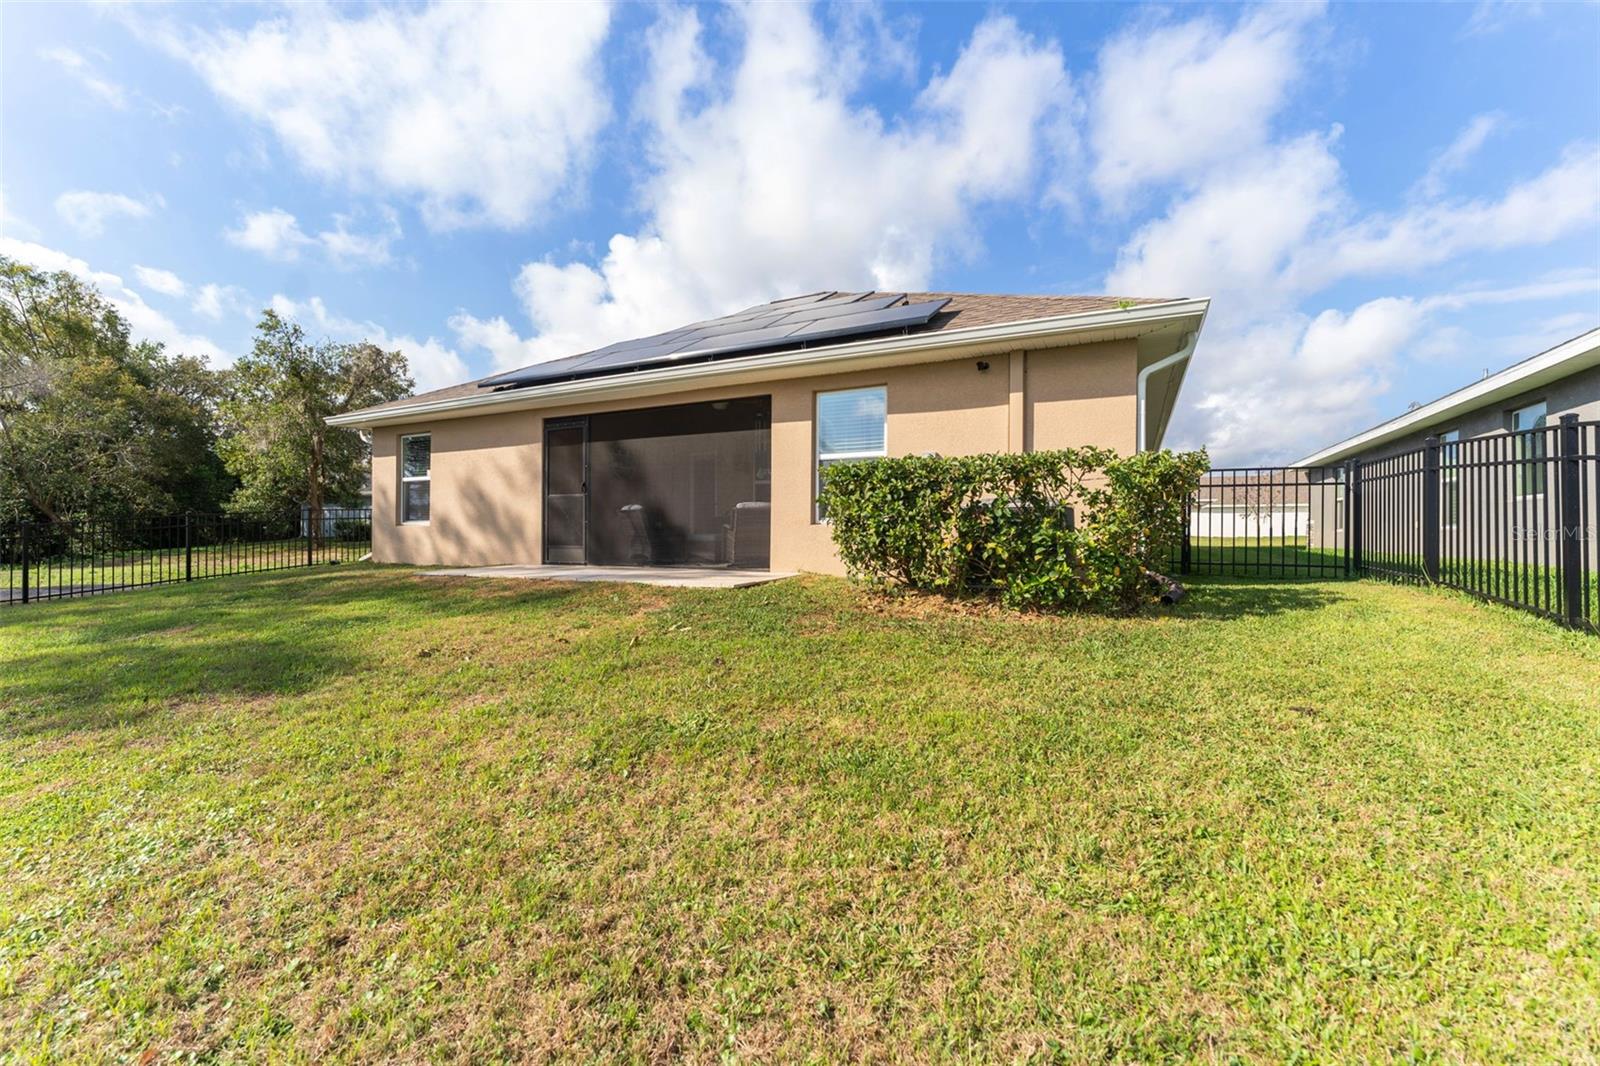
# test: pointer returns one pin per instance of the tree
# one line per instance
(91, 422)
(277, 440)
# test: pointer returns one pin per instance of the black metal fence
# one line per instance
(1275, 520)
(57, 560)
(1511, 517)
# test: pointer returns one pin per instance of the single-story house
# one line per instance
(1499, 484)
(703, 445)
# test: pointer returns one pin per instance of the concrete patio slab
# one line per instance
(671, 576)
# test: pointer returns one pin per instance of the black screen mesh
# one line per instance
(688, 485)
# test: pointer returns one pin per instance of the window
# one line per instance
(851, 424)
(1450, 476)
(416, 462)
(1529, 446)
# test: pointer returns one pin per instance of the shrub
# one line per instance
(347, 529)
(1044, 530)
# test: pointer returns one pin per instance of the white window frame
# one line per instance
(817, 456)
(404, 480)
(1523, 438)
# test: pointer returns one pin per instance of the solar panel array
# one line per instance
(795, 322)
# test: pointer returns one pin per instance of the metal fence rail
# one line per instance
(60, 560)
(1512, 517)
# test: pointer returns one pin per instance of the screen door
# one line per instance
(566, 490)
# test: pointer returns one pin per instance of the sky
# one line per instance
(1381, 201)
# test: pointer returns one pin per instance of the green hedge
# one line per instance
(1044, 530)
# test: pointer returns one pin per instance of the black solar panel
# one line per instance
(833, 308)
(868, 321)
(810, 297)
(795, 321)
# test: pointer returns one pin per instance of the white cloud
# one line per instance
(1558, 201)
(160, 281)
(1492, 16)
(346, 247)
(1236, 236)
(507, 351)
(276, 234)
(433, 364)
(1266, 229)
(1342, 349)
(83, 70)
(1279, 226)
(1460, 152)
(216, 302)
(212, 300)
(1551, 287)
(767, 179)
(1293, 382)
(1263, 221)
(144, 321)
(1293, 378)
(1449, 343)
(485, 112)
(1273, 384)
(1171, 101)
(88, 212)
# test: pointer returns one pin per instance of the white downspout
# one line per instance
(1183, 352)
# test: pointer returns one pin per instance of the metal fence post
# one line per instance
(1353, 513)
(24, 545)
(188, 546)
(1184, 551)
(1430, 509)
(311, 549)
(1570, 510)
(1349, 497)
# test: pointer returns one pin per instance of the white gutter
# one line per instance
(1002, 336)
(1183, 352)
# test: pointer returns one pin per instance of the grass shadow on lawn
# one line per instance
(1225, 599)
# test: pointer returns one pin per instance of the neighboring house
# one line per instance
(334, 518)
(339, 515)
(703, 445)
(1529, 395)
(1254, 505)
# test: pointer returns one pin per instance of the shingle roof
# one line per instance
(964, 311)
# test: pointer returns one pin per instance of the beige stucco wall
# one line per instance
(1077, 397)
(488, 475)
(485, 493)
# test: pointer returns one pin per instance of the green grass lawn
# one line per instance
(361, 815)
(1240, 555)
(1515, 579)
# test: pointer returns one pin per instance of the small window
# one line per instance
(851, 424)
(416, 463)
(1450, 475)
(1527, 423)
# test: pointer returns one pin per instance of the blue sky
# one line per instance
(1382, 200)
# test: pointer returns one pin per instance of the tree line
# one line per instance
(95, 423)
